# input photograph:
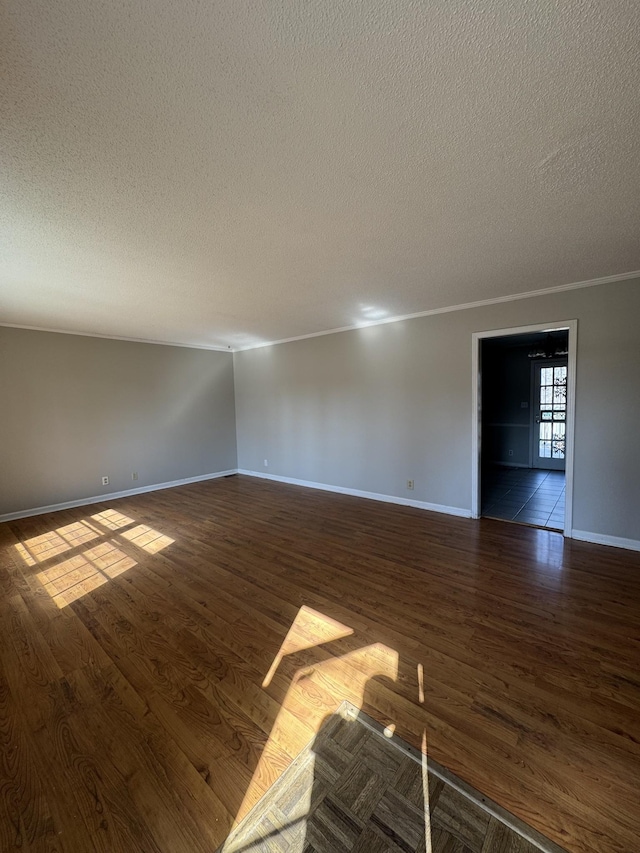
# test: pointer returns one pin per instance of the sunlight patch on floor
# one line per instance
(94, 563)
(147, 538)
(73, 578)
(318, 689)
(77, 578)
(309, 629)
(112, 519)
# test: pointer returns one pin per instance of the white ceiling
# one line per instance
(226, 173)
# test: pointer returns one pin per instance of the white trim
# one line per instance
(604, 539)
(582, 535)
(481, 303)
(476, 338)
(96, 499)
(572, 368)
(536, 328)
(358, 493)
(530, 294)
(213, 347)
(476, 426)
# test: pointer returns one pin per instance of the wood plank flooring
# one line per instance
(164, 657)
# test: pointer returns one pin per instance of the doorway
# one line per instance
(549, 413)
(524, 392)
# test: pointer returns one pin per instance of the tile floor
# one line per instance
(527, 495)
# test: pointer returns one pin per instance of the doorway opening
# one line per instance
(524, 381)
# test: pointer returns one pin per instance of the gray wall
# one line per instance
(76, 408)
(366, 409)
(370, 408)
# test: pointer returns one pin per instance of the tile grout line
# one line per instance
(504, 507)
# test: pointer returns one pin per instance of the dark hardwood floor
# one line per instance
(164, 657)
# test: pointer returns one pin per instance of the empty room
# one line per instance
(319, 427)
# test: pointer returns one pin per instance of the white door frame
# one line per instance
(476, 438)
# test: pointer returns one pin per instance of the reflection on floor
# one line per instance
(355, 789)
(527, 495)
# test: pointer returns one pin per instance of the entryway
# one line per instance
(524, 381)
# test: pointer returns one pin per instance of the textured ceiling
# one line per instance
(225, 173)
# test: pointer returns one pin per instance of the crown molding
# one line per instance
(547, 291)
(116, 338)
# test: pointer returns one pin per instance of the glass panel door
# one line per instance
(550, 414)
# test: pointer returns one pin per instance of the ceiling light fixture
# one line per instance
(551, 348)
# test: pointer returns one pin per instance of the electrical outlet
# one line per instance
(410, 485)
(511, 453)
(134, 475)
(105, 481)
(266, 463)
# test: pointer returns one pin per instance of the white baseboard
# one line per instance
(357, 493)
(96, 499)
(581, 535)
(603, 539)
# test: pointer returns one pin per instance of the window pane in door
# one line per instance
(558, 445)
